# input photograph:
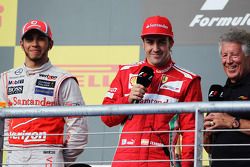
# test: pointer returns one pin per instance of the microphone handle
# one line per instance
(135, 101)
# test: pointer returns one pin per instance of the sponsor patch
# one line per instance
(128, 142)
(157, 25)
(144, 142)
(156, 98)
(49, 152)
(27, 137)
(16, 77)
(71, 103)
(124, 141)
(112, 90)
(19, 71)
(15, 90)
(48, 92)
(174, 86)
(131, 142)
(110, 95)
(46, 84)
(49, 77)
(164, 79)
(16, 82)
(132, 80)
(26, 102)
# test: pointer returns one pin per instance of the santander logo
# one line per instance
(157, 25)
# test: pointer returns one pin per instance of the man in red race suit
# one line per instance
(170, 84)
(40, 141)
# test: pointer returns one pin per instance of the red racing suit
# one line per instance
(170, 84)
(43, 86)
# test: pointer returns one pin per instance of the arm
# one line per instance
(115, 95)
(207, 139)
(76, 127)
(3, 98)
(187, 122)
(225, 121)
(207, 136)
(245, 124)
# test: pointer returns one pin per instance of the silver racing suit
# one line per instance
(43, 86)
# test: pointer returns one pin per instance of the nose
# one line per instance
(229, 59)
(155, 47)
(35, 42)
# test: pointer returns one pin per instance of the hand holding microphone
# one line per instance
(137, 92)
(144, 79)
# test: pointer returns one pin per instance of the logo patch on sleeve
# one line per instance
(48, 92)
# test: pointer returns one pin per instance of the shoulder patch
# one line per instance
(185, 72)
(128, 66)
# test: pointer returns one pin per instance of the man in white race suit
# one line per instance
(40, 141)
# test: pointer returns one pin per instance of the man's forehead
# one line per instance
(231, 46)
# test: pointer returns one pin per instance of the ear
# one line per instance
(21, 44)
(51, 43)
(143, 45)
(171, 44)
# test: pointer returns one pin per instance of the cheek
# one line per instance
(223, 61)
(165, 50)
(238, 61)
(24, 48)
(147, 51)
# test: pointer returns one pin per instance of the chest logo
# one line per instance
(174, 86)
(132, 80)
(49, 77)
(41, 91)
(19, 71)
(46, 84)
(15, 90)
(15, 82)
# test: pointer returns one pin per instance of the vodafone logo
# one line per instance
(201, 20)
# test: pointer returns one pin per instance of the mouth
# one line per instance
(35, 51)
(231, 68)
(156, 55)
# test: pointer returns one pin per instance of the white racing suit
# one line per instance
(33, 137)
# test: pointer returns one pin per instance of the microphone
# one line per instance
(215, 93)
(144, 78)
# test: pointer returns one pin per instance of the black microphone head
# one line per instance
(215, 93)
(145, 76)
